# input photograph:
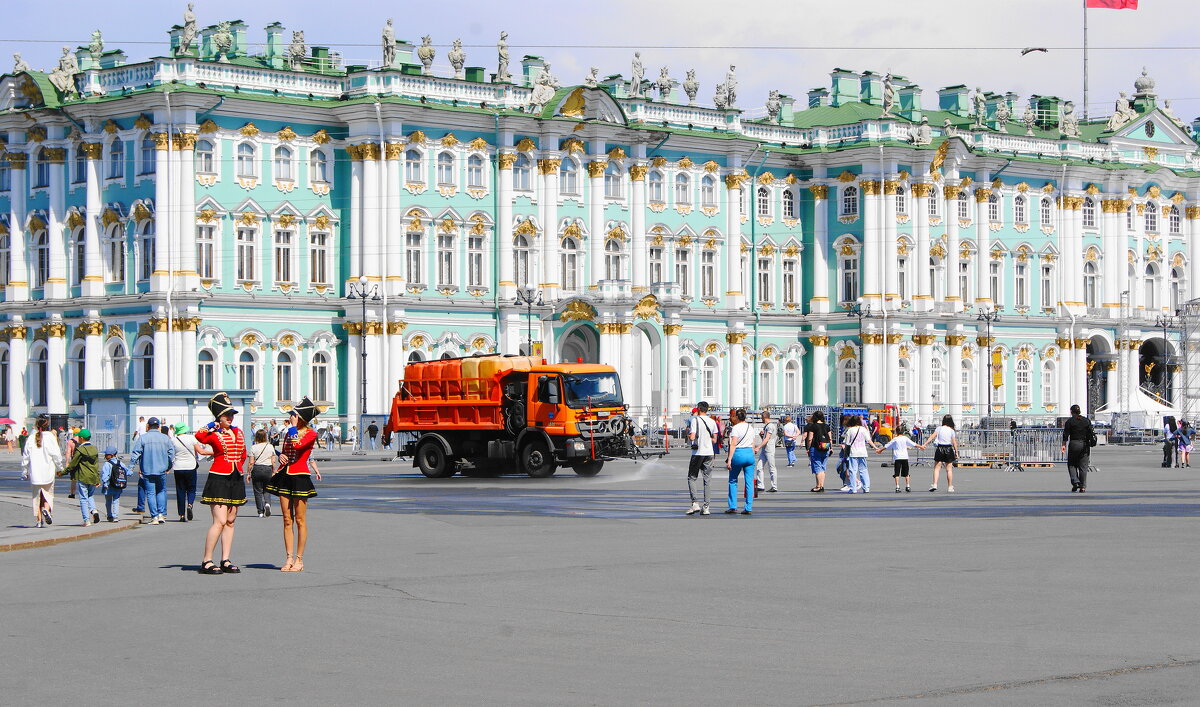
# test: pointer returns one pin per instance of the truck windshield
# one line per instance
(595, 389)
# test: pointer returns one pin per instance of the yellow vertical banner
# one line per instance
(997, 368)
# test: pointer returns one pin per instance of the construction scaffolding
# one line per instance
(1188, 382)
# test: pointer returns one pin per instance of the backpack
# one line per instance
(718, 439)
(117, 478)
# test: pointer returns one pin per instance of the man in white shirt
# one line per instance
(791, 432)
(766, 454)
(701, 430)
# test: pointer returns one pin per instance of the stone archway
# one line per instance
(1155, 360)
(1100, 365)
(580, 343)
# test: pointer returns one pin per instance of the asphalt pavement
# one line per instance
(599, 590)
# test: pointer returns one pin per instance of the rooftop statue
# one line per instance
(188, 35)
(774, 106)
(20, 66)
(96, 48)
(389, 45)
(223, 40)
(1070, 123)
(691, 86)
(458, 58)
(889, 95)
(502, 49)
(592, 80)
(297, 51)
(1123, 112)
(426, 53)
(980, 102)
(543, 89)
(639, 73)
(63, 76)
(922, 134)
(731, 86)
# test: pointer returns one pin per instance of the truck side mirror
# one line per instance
(548, 390)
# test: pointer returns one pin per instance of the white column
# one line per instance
(953, 380)
(670, 375)
(891, 278)
(379, 388)
(393, 240)
(548, 203)
(1066, 368)
(56, 285)
(372, 214)
(93, 280)
(950, 218)
(351, 382)
(922, 300)
(397, 356)
(18, 239)
(984, 386)
(872, 255)
(821, 366)
(164, 214)
(733, 374)
(159, 324)
(93, 352)
(595, 201)
(355, 214)
(185, 327)
(872, 366)
(625, 368)
(734, 182)
(504, 227)
(18, 357)
(891, 379)
(639, 251)
(56, 363)
(511, 336)
(1191, 235)
(184, 239)
(1081, 387)
(820, 251)
(983, 295)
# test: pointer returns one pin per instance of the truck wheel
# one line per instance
(536, 459)
(432, 460)
(588, 468)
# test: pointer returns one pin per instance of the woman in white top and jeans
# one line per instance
(945, 452)
(857, 438)
(744, 444)
(41, 461)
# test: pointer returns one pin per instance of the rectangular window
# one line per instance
(765, 293)
(849, 279)
(246, 270)
(656, 265)
(683, 271)
(475, 261)
(708, 273)
(206, 252)
(475, 172)
(1048, 286)
(445, 260)
(412, 258)
(1021, 282)
(994, 274)
(80, 255)
(964, 281)
(283, 257)
(789, 281)
(902, 277)
(318, 255)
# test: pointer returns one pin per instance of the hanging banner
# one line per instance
(997, 368)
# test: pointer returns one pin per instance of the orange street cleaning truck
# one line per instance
(497, 413)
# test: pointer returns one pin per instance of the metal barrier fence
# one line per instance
(1014, 450)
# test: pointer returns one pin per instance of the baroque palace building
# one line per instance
(195, 221)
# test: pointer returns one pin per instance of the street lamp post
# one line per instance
(529, 296)
(362, 290)
(1164, 322)
(987, 317)
(857, 309)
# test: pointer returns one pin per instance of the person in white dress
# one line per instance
(41, 461)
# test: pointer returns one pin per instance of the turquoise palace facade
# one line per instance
(196, 220)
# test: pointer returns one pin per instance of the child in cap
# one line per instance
(114, 476)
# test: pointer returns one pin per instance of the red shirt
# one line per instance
(297, 446)
(229, 448)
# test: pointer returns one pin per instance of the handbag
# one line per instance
(1091, 438)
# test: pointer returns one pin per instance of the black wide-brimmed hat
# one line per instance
(220, 404)
(306, 410)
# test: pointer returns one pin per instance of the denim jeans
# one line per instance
(87, 504)
(860, 478)
(816, 460)
(790, 448)
(112, 504)
(141, 506)
(742, 465)
(185, 490)
(156, 494)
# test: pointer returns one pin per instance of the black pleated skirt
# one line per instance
(291, 485)
(224, 490)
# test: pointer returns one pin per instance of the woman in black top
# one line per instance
(1076, 442)
(816, 441)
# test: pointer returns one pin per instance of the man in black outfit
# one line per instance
(1076, 442)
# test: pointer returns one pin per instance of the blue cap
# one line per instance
(110, 450)
(152, 422)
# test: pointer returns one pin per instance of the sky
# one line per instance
(787, 45)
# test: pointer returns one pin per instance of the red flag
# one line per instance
(1112, 4)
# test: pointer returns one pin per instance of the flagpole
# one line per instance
(1085, 63)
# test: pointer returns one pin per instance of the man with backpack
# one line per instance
(703, 435)
(114, 477)
(185, 467)
(372, 433)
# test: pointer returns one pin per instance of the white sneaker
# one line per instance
(695, 507)
(950, 489)
(704, 512)
(848, 490)
(844, 488)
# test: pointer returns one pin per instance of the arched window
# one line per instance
(1020, 210)
(764, 202)
(1151, 217)
(114, 253)
(247, 254)
(523, 173)
(146, 250)
(683, 189)
(247, 379)
(791, 383)
(206, 370)
(41, 173)
(320, 376)
(475, 173)
(613, 181)
(708, 377)
(964, 206)
(849, 382)
(318, 165)
(41, 246)
(246, 160)
(81, 162)
(1173, 222)
(766, 383)
(205, 159)
(416, 357)
(993, 208)
(789, 203)
(1177, 289)
(1150, 285)
(613, 257)
(283, 164)
(445, 169)
(935, 378)
(1091, 295)
(445, 259)
(145, 364)
(413, 174)
(902, 381)
(1089, 212)
(1048, 397)
(1024, 379)
(569, 264)
(901, 200)
(284, 364)
(116, 159)
(38, 378)
(965, 383)
(708, 192)
(118, 374)
(147, 155)
(75, 375)
(414, 266)
(568, 177)
(848, 267)
(687, 375)
(655, 181)
(850, 201)
(521, 257)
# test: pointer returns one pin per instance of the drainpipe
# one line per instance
(170, 268)
(496, 230)
(754, 260)
(385, 349)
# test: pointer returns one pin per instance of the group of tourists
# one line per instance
(282, 472)
(749, 453)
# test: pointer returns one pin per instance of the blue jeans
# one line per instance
(860, 479)
(743, 465)
(185, 490)
(816, 460)
(141, 506)
(156, 494)
(112, 504)
(87, 505)
(790, 448)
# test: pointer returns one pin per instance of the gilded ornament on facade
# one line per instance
(548, 166)
(659, 161)
(506, 160)
(711, 166)
(36, 224)
(819, 191)
(638, 172)
(526, 145)
(577, 310)
(596, 168)
(286, 220)
(735, 337)
(686, 163)
(571, 145)
(870, 187)
(416, 137)
(766, 178)
(396, 327)
(525, 228)
(448, 140)
(647, 308)
(55, 155)
(1150, 152)
(618, 233)
(322, 222)
(36, 134)
(74, 219)
(616, 154)
(248, 218)
(672, 329)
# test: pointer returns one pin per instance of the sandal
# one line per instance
(210, 568)
(287, 566)
(229, 568)
(817, 489)
(298, 565)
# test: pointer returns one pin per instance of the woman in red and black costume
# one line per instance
(293, 483)
(225, 488)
